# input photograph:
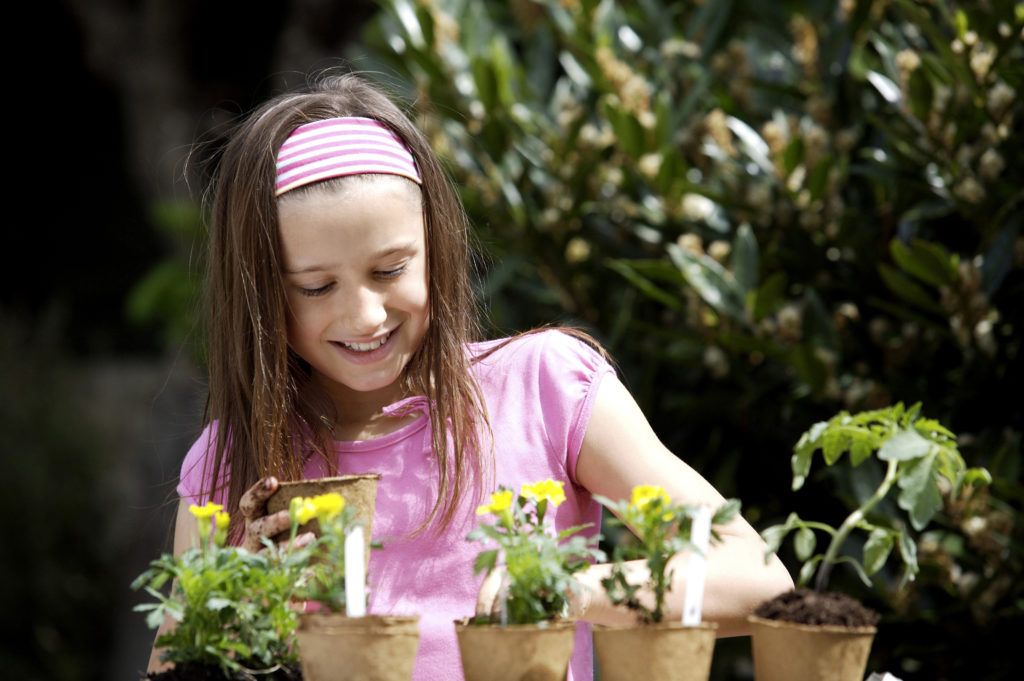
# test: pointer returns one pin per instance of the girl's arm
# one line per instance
(186, 534)
(620, 450)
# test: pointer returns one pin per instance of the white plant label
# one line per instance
(355, 573)
(700, 536)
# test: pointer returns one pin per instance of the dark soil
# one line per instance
(190, 671)
(806, 606)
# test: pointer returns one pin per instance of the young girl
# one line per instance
(343, 341)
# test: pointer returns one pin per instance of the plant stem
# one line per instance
(851, 521)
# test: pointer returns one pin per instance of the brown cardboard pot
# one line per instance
(333, 647)
(788, 651)
(359, 491)
(667, 651)
(518, 652)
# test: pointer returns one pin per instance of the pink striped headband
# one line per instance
(336, 147)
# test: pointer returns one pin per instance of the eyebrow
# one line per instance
(400, 249)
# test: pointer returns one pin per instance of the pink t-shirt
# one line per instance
(539, 392)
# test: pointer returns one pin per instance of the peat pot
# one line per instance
(667, 651)
(517, 652)
(787, 651)
(359, 491)
(334, 647)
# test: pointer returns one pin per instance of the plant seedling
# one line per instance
(917, 453)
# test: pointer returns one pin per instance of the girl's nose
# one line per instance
(363, 313)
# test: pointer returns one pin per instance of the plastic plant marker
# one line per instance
(355, 574)
(700, 536)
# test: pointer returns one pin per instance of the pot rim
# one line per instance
(823, 628)
(672, 625)
(549, 625)
(335, 478)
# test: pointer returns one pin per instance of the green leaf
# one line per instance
(877, 549)
(803, 451)
(833, 445)
(769, 295)
(929, 262)
(905, 445)
(908, 552)
(710, 281)
(907, 288)
(861, 449)
(807, 571)
(919, 491)
(745, 260)
(485, 561)
(804, 542)
(644, 285)
(155, 618)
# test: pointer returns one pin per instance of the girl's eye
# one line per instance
(314, 292)
(390, 274)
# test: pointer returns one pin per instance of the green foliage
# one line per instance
(232, 607)
(167, 295)
(769, 212)
(919, 454)
(660, 529)
(538, 565)
(324, 581)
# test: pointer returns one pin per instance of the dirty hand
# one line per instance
(258, 524)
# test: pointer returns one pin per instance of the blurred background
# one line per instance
(768, 211)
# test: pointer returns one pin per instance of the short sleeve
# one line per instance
(569, 374)
(197, 469)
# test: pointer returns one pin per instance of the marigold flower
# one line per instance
(221, 520)
(643, 495)
(548, 489)
(302, 509)
(500, 501)
(329, 505)
(205, 512)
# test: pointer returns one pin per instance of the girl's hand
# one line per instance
(258, 524)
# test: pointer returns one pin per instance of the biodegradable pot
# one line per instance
(334, 647)
(788, 651)
(517, 652)
(359, 491)
(667, 651)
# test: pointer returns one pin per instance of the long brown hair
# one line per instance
(270, 416)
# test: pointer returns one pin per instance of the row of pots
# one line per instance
(383, 648)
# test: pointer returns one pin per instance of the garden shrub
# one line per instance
(769, 212)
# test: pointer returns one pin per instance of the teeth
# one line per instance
(366, 347)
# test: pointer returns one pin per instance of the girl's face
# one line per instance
(355, 264)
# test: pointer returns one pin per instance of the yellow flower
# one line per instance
(643, 495)
(302, 509)
(205, 512)
(500, 501)
(221, 520)
(548, 489)
(328, 505)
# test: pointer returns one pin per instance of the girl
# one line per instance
(343, 341)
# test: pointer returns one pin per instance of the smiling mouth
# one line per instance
(366, 347)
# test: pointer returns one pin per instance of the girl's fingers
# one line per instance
(254, 501)
(265, 526)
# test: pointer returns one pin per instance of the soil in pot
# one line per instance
(831, 642)
(191, 671)
(806, 606)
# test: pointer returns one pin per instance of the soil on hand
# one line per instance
(806, 606)
(206, 672)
